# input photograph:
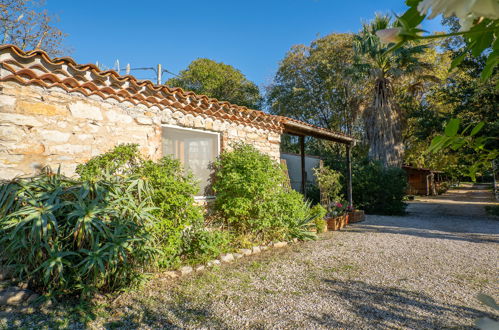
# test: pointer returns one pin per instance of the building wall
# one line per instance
(49, 126)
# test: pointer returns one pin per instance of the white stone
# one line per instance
(263, 248)
(213, 263)
(84, 110)
(69, 149)
(185, 270)
(115, 116)
(14, 296)
(144, 120)
(21, 120)
(280, 244)
(256, 249)
(199, 268)
(7, 100)
(232, 132)
(227, 257)
(238, 255)
(84, 136)
(246, 252)
(54, 136)
(171, 274)
(273, 138)
(10, 133)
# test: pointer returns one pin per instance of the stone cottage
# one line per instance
(56, 112)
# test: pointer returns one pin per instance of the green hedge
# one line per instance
(253, 196)
(378, 190)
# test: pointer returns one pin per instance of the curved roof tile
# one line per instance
(36, 67)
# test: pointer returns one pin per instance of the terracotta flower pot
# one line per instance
(356, 216)
(334, 223)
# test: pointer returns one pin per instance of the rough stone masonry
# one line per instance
(49, 126)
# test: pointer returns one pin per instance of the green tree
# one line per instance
(24, 24)
(386, 72)
(460, 94)
(314, 84)
(220, 81)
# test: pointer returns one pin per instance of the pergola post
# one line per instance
(349, 175)
(303, 171)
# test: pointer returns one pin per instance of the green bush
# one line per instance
(378, 190)
(173, 192)
(319, 212)
(65, 236)
(253, 197)
(200, 244)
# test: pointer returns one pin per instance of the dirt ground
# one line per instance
(419, 271)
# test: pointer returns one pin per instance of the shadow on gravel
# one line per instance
(485, 237)
(165, 315)
(393, 307)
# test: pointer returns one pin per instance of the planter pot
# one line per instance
(336, 223)
(356, 216)
(343, 220)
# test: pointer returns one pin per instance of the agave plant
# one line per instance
(68, 236)
(301, 228)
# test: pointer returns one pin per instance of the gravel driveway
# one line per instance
(422, 270)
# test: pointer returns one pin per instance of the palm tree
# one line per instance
(383, 119)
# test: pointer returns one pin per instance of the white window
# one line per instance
(196, 149)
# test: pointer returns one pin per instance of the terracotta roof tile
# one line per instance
(36, 67)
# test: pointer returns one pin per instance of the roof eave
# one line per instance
(296, 128)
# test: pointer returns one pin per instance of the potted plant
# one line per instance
(336, 216)
(355, 215)
(330, 187)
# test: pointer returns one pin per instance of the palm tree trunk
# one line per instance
(383, 126)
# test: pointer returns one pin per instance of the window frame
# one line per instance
(198, 130)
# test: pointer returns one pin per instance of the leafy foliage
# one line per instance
(220, 81)
(319, 213)
(172, 192)
(378, 190)
(200, 244)
(65, 236)
(330, 185)
(315, 84)
(480, 37)
(466, 139)
(253, 196)
(387, 71)
(24, 24)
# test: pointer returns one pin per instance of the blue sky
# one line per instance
(252, 35)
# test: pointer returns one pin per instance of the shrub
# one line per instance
(252, 195)
(379, 190)
(319, 212)
(173, 190)
(65, 236)
(200, 244)
(330, 185)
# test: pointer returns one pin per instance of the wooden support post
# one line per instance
(349, 175)
(303, 172)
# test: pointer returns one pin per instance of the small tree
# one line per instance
(330, 184)
(220, 81)
(23, 24)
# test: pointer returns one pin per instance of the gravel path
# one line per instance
(422, 270)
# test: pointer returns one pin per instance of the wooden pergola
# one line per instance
(302, 130)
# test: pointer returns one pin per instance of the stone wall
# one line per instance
(49, 126)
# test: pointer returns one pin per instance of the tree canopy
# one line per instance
(220, 81)
(314, 84)
(23, 23)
